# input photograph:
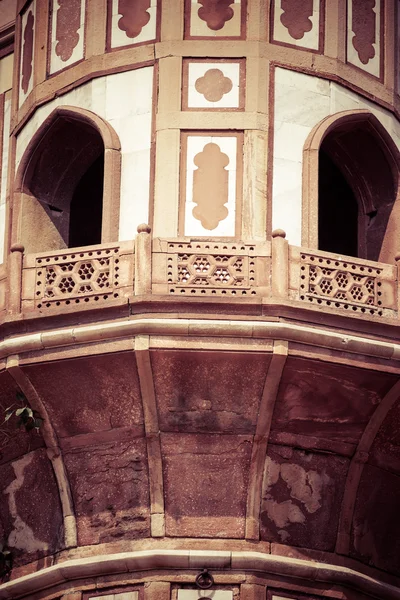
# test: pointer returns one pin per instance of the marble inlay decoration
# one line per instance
(296, 17)
(209, 85)
(210, 186)
(68, 24)
(135, 15)
(214, 18)
(67, 33)
(213, 85)
(27, 52)
(131, 22)
(364, 35)
(215, 12)
(297, 23)
(363, 24)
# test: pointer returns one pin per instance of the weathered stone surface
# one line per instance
(376, 523)
(111, 491)
(326, 400)
(89, 394)
(13, 442)
(301, 499)
(205, 482)
(385, 451)
(30, 509)
(208, 391)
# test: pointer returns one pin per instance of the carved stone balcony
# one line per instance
(241, 273)
(88, 276)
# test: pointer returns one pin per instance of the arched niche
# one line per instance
(351, 194)
(67, 184)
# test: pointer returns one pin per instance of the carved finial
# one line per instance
(279, 233)
(17, 248)
(143, 228)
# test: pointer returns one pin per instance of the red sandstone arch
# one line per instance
(349, 121)
(31, 183)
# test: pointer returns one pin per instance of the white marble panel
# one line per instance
(196, 70)
(2, 231)
(209, 594)
(129, 93)
(301, 103)
(397, 65)
(130, 113)
(286, 191)
(373, 65)
(31, 10)
(98, 101)
(289, 140)
(135, 132)
(310, 39)
(78, 53)
(119, 37)
(5, 143)
(135, 189)
(299, 98)
(195, 145)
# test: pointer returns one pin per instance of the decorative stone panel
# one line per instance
(66, 33)
(27, 54)
(211, 177)
(131, 23)
(211, 269)
(354, 285)
(213, 85)
(298, 23)
(215, 18)
(80, 277)
(364, 35)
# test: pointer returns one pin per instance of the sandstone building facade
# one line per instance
(199, 244)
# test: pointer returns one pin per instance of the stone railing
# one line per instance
(342, 283)
(90, 275)
(196, 268)
(271, 271)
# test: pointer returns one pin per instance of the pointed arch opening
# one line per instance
(351, 197)
(67, 183)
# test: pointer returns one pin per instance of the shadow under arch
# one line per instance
(358, 146)
(74, 154)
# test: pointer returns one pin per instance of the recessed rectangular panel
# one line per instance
(215, 19)
(211, 171)
(213, 85)
(131, 23)
(297, 23)
(364, 35)
(67, 33)
(27, 53)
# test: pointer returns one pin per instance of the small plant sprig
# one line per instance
(6, 562)
(27, 418)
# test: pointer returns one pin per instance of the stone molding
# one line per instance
(289, 332)
(147, 560)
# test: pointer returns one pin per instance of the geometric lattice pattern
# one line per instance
(77, 277)
(210, 271)
(340, 284)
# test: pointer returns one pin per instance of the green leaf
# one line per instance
(21, 397)
(8, 416)
(19, 411)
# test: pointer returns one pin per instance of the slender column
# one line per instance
(280, 264)
(15, 279)
(143, 261)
